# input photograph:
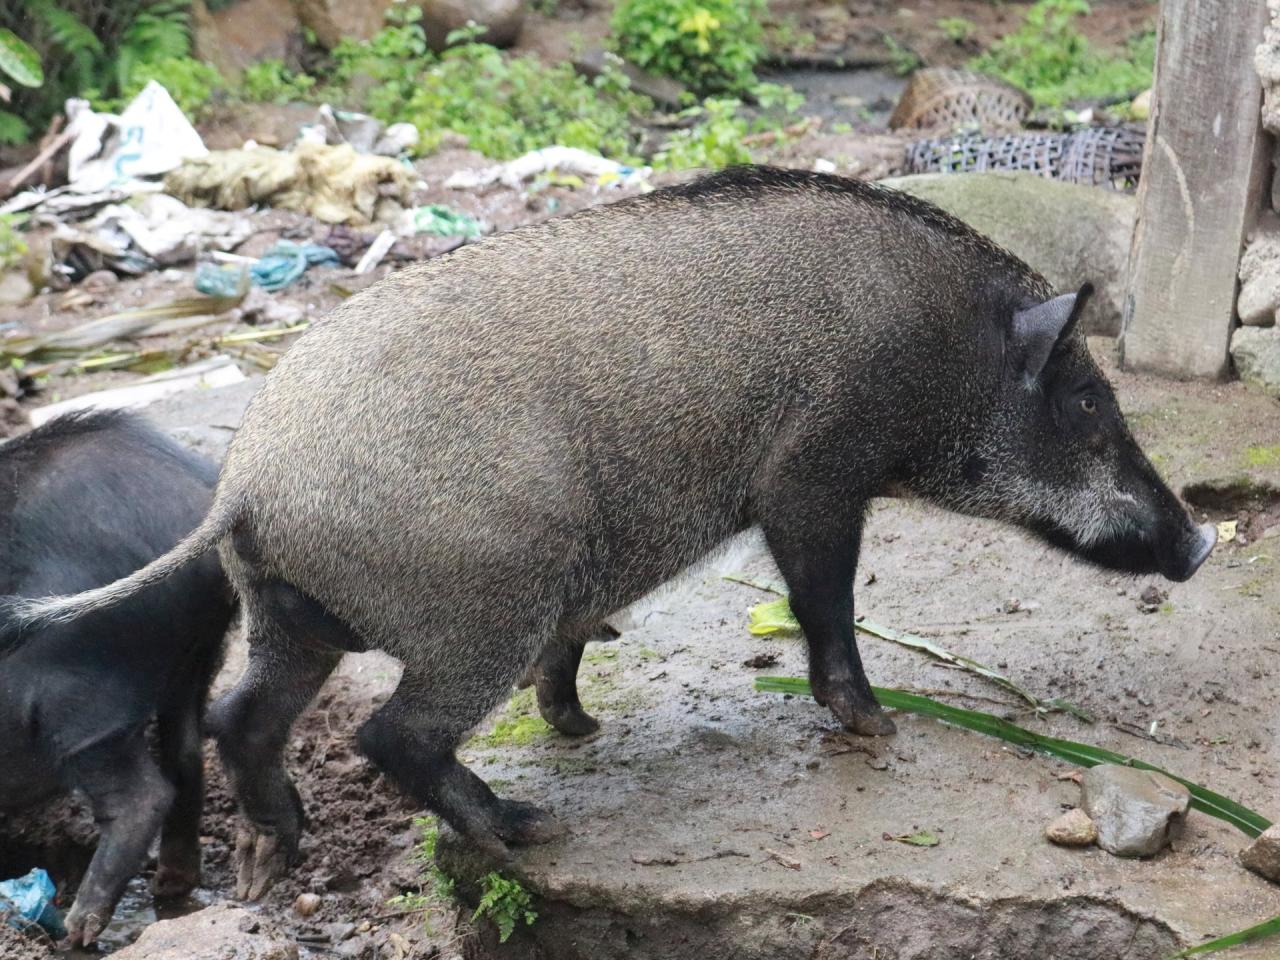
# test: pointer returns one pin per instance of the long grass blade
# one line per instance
(1260, 931)
(775, 617)
(1206, 801)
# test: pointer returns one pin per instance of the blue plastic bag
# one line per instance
(28, 900)
(280, 266)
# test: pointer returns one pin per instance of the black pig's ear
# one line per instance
(1037, 330)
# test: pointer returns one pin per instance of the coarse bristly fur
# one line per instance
(480, 458)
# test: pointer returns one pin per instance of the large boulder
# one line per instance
(221, 932)
(1068, 232)
(502, 20)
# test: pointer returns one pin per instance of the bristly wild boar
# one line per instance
(482, 457)
(85, 499)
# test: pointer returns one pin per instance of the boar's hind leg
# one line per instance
(818, 562)
(555, 678)
(291, 653)
(412, 737)
(130, 797)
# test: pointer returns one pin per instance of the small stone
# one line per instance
(1137, 812)
(306, 904)
(1072, 829)
(15, 287)
(1263, 855)
(100, 280)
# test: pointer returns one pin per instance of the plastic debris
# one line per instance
(28, 900)
(442, 221)
(334, 184)
(280, 266)
(377, 250)
(219, 371)
(570, 160)
(150, 138)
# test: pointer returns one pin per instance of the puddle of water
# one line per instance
(136, 911)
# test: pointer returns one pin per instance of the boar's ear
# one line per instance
(1038, 329)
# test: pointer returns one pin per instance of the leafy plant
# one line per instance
(503, 106)
(192, 84)
(711, 46)
(714, 141)
(902, 60)
(506, 903)
(270, 81)
(434, 884)
(159, 33)
(12, 247)
(1053, 61)
(957, 29)
(13, 129)
(19, 60)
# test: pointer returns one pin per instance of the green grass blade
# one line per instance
(774, 618)
(1268, 928)
(1206, 801)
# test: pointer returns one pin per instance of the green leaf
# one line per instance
(1268, 928)
(19, 60)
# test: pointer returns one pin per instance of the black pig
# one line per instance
(85, 499)
(479, 459)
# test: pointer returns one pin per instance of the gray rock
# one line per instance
(1137, 812)
(1256, 352)
(501, 18)
(1068, 232)
(220, 932)
(662, 90)
(1263, 855)
(1260, 274)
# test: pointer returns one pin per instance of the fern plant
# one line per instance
(158, 32)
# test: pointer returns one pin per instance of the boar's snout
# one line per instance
(1191, 550)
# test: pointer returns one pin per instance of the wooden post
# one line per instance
(1203, 174)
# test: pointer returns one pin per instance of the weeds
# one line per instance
(438, 885)
(505, 902)
(12, 247)
(711, 46)
(957, 29)
(1054, 62)
(902, 60)
(270, 81)
(714, 141)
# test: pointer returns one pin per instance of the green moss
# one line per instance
(1262, 456)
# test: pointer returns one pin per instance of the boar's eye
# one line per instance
(1089, 405)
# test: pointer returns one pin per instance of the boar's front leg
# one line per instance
(817, 560)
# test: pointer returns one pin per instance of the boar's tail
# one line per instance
(20, 616)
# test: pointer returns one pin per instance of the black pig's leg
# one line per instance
(555, 677)
(294, 646)
(413, 736)
(178, 866)
(130, 798)
(818, 561)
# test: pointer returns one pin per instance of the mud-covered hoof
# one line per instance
(84, 925)
(523, 824)
(174, 881)
(260, 860)
(875, 724)
(572, 720)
